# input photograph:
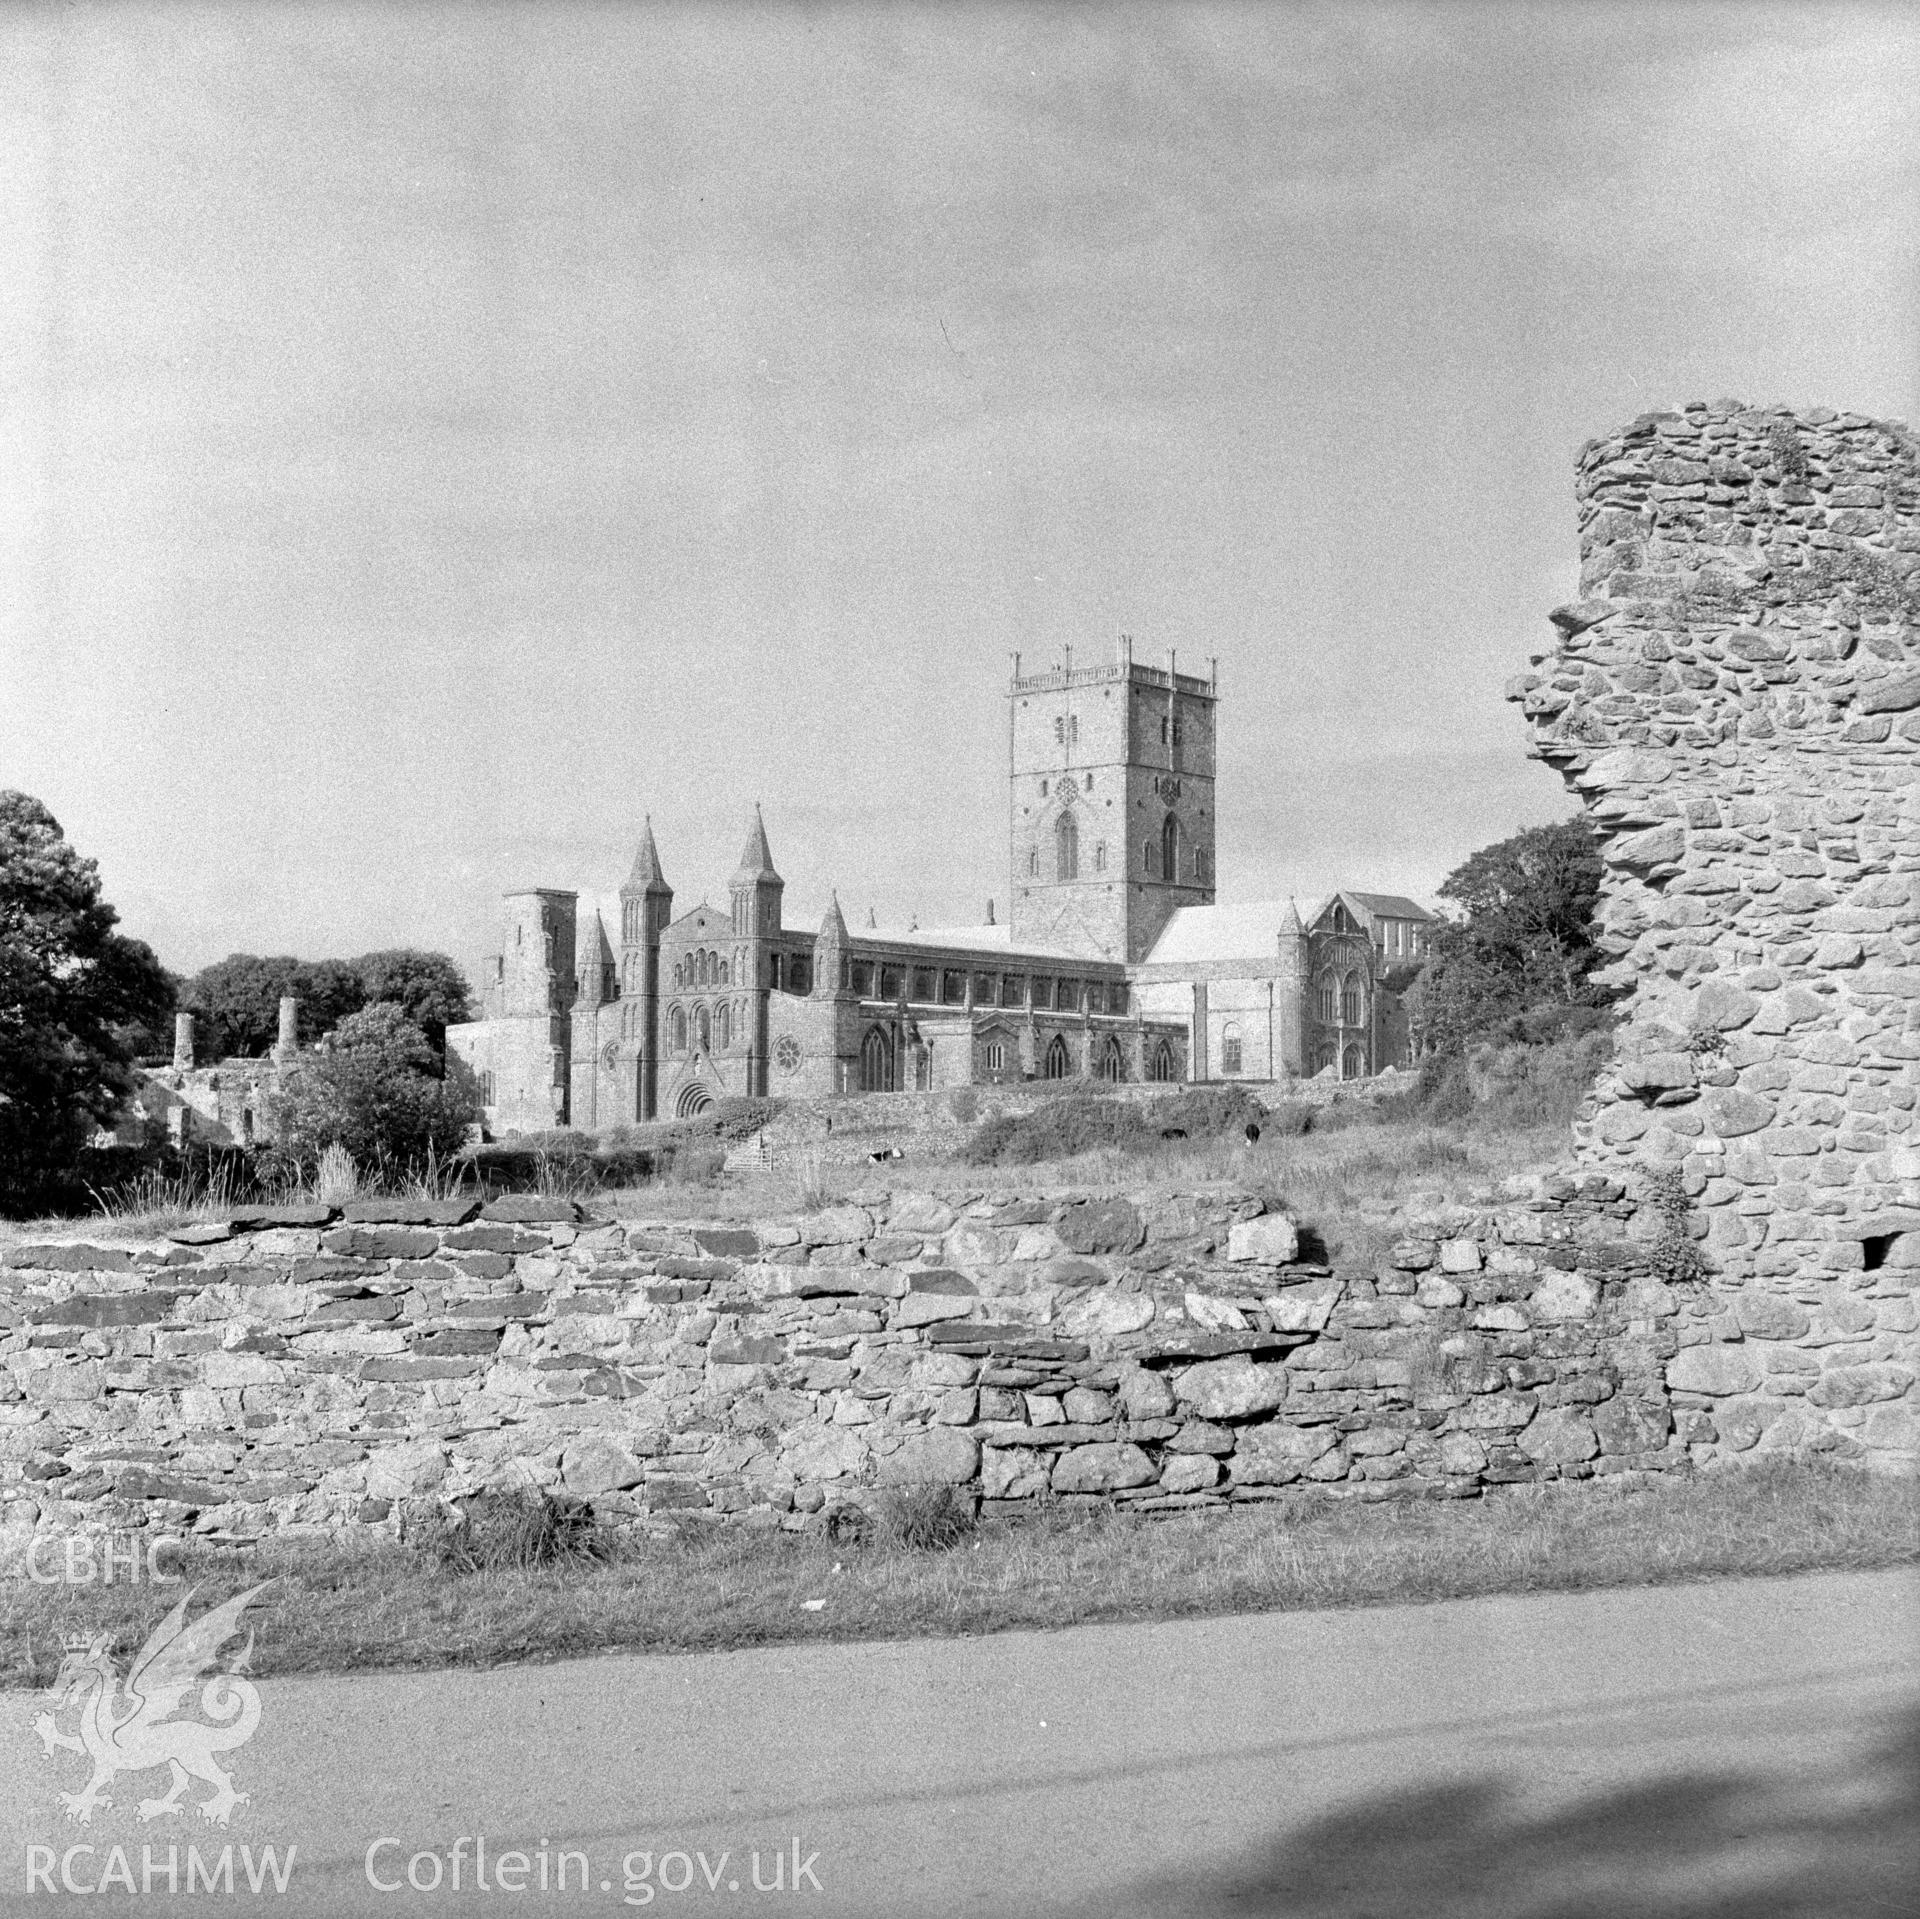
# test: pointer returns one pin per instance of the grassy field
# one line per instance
(1358, 1162)
(1360, 1170)
(332, 1610)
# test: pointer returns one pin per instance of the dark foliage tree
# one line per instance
(71, 991)
(1518, 959)
(236, 1004)
(149, 1039)
(428, 987)
(376, 1086)
(236, 1001)
(328, 991)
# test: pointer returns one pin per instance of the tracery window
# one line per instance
(1350, 1000)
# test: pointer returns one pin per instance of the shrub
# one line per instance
(734, 1119)
(509, 1531)
(335, 1177)
(1080, 1123)
(1674, 1254)
(376, 1088)
(927, 1519)
(849, 1525)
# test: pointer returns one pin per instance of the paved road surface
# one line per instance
(1746, 1750)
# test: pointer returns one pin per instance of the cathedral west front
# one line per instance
(1114, 962)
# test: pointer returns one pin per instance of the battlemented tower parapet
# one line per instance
(1736, 698)
(1110, 804)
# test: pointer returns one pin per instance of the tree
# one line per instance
(428, 987)
(376, 1086)
(328, 991)
(236, 1004)
(237, 999)
(1520, 956)
(71, 989)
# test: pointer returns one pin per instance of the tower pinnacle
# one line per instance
(756, 861)
(646, 876)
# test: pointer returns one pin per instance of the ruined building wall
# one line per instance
(1736, 697)
(291, 1370)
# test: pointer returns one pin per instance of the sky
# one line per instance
(433, 439)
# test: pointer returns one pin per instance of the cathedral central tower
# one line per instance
(1111, 809)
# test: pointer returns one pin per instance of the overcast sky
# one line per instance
(430, 439)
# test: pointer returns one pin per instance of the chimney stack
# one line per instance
(183, 1042)
(289, 1041)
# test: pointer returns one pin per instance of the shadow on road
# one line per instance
(1733, 1845)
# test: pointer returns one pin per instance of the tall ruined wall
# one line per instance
(306, 1374)
(1736, 697)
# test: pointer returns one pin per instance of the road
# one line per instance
(1746, 1749)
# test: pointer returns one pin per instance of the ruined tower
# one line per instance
(1736, 698)
(536, 987)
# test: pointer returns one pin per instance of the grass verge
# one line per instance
(335, 1610)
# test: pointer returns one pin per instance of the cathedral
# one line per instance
(1114, 962)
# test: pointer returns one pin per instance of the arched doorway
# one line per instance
(694, 1098)
(876, 1061)
(1057, 1064)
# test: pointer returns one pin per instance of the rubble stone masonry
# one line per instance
(298, 1372)
(1736, 698)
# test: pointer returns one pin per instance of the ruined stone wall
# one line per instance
(1736, 697)
(296, 1372)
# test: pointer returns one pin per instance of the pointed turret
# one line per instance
(1291, 1043)
(593, 968)
(756, 862)
(829, 952)
(756, 887)
(646, 876)
(646, 901)
(646, 910)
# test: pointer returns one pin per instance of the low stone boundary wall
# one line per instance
(299, 1372)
